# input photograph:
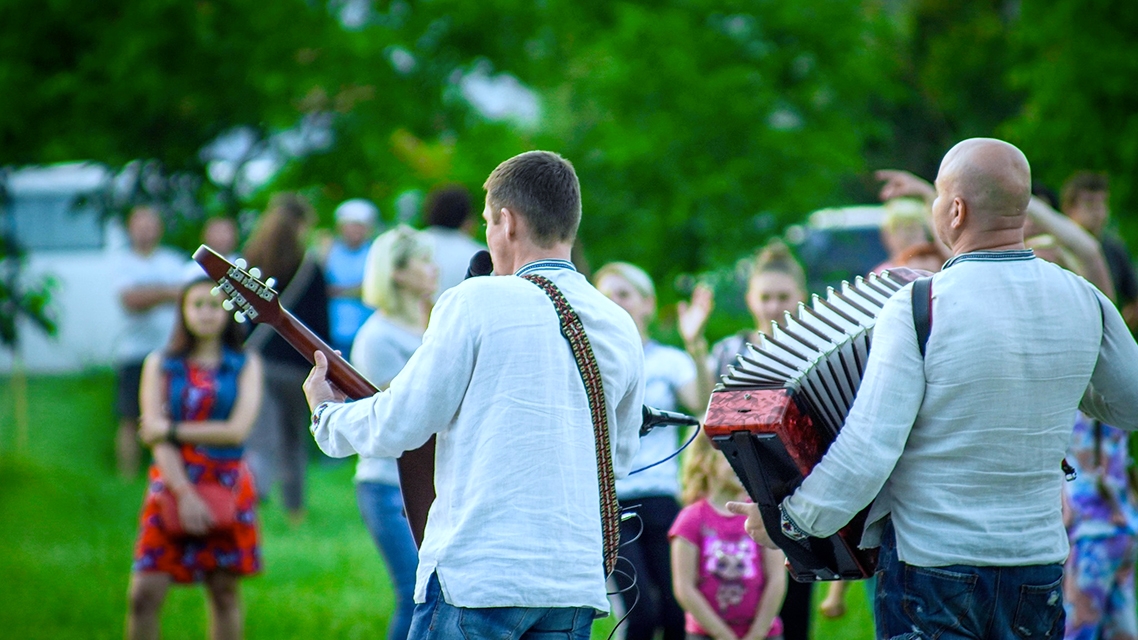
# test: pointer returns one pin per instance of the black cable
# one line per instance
(695, 432)
(630, 510)
(631, 587)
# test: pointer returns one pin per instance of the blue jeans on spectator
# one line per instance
(437, 620)
(381, 506)
(962, 601)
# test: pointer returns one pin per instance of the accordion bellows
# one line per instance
(822, 352)
(780, 406)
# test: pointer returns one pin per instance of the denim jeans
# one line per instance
(437, 620)
(960, 601)
(381, 506)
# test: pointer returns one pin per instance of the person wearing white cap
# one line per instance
(344, 270)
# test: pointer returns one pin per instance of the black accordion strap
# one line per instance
(923, 310)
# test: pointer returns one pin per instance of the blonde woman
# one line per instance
(399, 279)
(673, 380)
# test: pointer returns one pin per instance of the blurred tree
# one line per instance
(21, 304)
(1076, 65)
(952, 61)
(150, 82)
(152, 79)
(698, 128)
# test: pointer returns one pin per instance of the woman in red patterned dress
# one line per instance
(199, 397)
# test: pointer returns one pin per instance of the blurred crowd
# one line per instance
(218, 404)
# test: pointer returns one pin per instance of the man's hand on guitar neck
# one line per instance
(318, 389)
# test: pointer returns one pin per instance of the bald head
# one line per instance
(982, 191)
(991, 176)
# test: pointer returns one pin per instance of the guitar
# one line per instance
(255, 300)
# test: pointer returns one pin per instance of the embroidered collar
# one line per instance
(542, 265)
(992, 256)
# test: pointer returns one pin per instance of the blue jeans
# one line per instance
(437, 620)
(381, 506)
(960, 601)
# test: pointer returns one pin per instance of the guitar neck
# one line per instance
(340, 372)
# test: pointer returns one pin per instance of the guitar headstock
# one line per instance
(252, 298)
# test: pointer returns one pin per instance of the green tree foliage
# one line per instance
(699, 127)
(153, 79)
(1077, 65)
(20, 300)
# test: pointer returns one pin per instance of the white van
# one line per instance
(78, 249)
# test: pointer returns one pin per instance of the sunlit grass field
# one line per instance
(67, 527)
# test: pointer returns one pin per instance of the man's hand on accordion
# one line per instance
(754, 524)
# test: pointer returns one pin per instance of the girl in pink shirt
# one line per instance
(729, 587)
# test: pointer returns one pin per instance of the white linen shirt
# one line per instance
(146, 331)
(516, 521)
(964, 446)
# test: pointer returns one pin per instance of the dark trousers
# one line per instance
(961, 602)
(796, 608)
(650, 557)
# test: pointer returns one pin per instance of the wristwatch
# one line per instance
(790, 529)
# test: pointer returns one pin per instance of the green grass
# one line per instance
(67, 527)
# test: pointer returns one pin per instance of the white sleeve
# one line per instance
(1112, 396)
(868, 446)
(422, 399)
(629, 417)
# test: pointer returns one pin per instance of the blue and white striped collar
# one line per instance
(1009, 255)
(544, 265)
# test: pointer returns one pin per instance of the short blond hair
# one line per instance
(390, 252)
(903, 212)
(634, 275)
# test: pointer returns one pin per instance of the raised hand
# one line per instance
(693, 316)
(902, 184)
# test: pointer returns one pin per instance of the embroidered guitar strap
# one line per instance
(574, 332)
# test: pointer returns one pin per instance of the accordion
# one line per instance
(779, 408)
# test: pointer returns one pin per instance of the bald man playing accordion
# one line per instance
(960, 450)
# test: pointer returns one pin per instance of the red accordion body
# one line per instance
(783, 403)
(772, 444)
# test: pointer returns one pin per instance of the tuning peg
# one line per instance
(227, 304)
(216, 291)
(255, 272)
(239, 317)
(240, 262)
(271, 283)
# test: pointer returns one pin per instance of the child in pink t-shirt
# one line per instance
(730, 587)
